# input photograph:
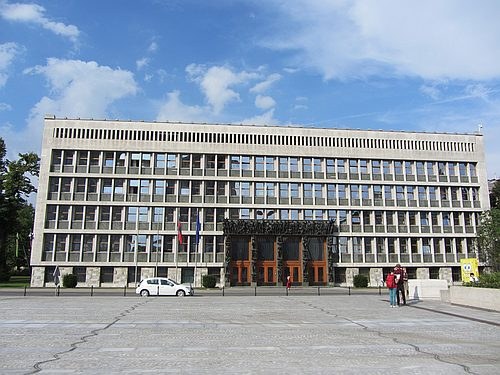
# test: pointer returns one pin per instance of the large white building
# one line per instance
(321, 205)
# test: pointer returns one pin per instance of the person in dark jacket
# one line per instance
(400, 288)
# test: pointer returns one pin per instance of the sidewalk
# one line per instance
(295, 334)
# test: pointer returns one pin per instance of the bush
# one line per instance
(360, 281)
(4, 275)
(208, 281)
(487, 280)
(69, 280)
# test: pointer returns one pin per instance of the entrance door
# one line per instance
(266, 273)
(240, 274)
(293, 270)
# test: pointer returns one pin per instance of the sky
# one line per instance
(388, 64)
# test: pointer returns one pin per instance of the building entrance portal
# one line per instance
(265, 252)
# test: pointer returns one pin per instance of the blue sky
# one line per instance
(386, 64)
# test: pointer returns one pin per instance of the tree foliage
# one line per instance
(488, 239)
(495, 195)
(16, 214)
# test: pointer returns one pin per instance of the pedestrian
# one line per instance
(288, 282)
(473, 278)
(405, 283)
(390, 282)
(400, 285)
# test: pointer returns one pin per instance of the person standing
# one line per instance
(390, 282)
(288, 282)
(400, 285)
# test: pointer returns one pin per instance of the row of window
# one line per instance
(159, 244)
(165, 218)
(67, 188)
(260, 139)
(131, 162)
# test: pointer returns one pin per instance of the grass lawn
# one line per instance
(16, 282)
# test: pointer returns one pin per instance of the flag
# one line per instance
(57, 276)
(179, 232)
(198, 227)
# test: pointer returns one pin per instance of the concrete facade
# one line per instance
(113, 193)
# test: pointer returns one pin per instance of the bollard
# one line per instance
(58, 290)
(286, 291)
(125, 291)
(91, 290)
(25, 290)
(379, 290)
(349, 290)
(255, 292)
(222, 291)
(318, 292)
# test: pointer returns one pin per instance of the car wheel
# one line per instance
(181, 293)
(144, 293)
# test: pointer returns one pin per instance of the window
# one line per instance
(307, 165)
(353, 166)
(294, 164)
(294, 190)
(398, 167)
(259, 163)
(171, 161)
(420, 168)
(365, 191)
(283, 190)
(342, 191)
(354, 191)
(363, 166)
(308, 192)
(270, 163)
(341, 165)
(160, 160)
(330, 166)
(409, 168)
(159, 187)
(376, 166)
(209, 188)
(424, 218)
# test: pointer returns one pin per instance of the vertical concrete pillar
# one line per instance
(37, 277)
(120, 276)
(93, 277)
(349, 275)
(445, 273)
(423, 273)
(376, 277)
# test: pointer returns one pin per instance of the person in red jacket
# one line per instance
(390, 282)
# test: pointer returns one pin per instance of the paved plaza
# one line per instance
(215, 334)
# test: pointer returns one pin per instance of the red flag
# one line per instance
(179, 232)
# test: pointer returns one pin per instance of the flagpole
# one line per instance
(197, 239)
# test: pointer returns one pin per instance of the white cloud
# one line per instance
(153, 47)
(455, 39)
(217, 83)
(431, 91)
(77, 89)
(264, 102)
(7, 53)
(174, 110)
(141, 63)
(5, 107)
(266, 84)
(33, 13)
(264, 119)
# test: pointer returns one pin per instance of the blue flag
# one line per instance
(198, 227)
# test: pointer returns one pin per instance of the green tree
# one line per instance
(488, 239)
(495, 195)
(16, 214)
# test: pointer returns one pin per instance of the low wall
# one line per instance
(426, 289)
(485, 298)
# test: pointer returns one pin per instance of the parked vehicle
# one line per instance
(163, 286)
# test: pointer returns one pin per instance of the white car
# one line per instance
(163, 286)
